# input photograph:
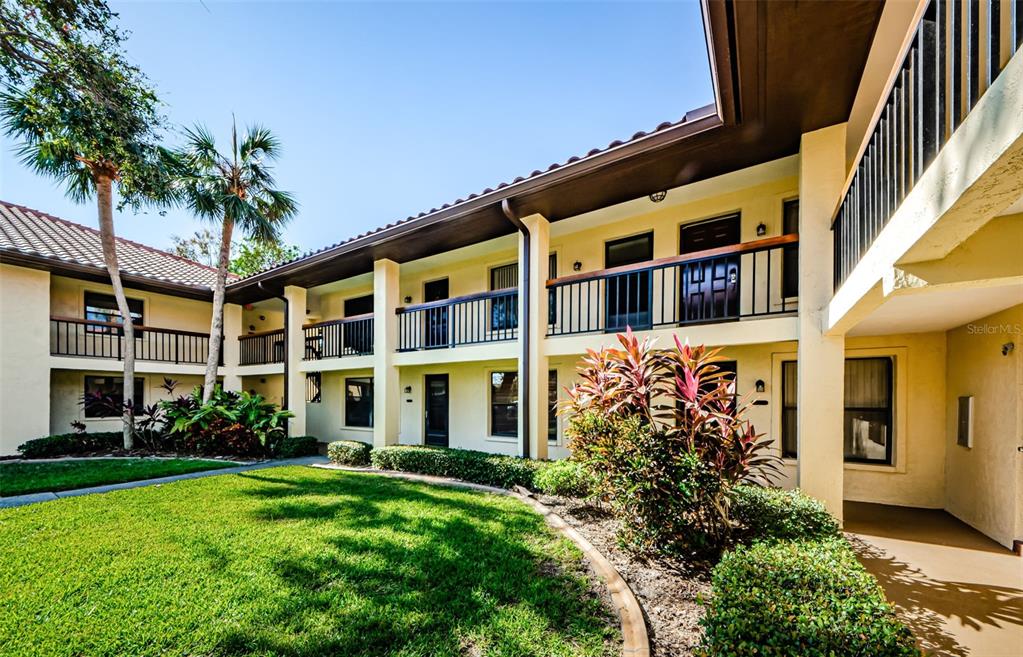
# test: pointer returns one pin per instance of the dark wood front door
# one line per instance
(627, 295)
(436, 325)
(710, 287)
(436, 410)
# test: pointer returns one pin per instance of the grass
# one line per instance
(19, 477)
(297, 562)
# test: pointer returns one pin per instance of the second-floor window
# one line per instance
(504, 311)
(103, 308)
(790, 254)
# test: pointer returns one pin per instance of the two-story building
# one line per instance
(845, 221)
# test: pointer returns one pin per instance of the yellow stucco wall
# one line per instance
(24, 352)
(67, 299)
(985, 482)
(326, 420)
(271, 386)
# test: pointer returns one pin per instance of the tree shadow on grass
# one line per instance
(412, 569)
(925, 604)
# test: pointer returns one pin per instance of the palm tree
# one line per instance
(237, 190)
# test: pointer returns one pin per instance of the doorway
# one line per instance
(436, 325)
(627, 295)
(710, 287)
(436, 410)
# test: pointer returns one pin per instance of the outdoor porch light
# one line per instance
(657, 197)
(408, 390)
(577, 266)
(760, 385)
(408, 299)
(761, 229)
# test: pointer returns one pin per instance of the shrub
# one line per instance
(71, 444)
(664, 436)
(774, 514)
(808, 598)
(565, 478)
(349, 452)
(464, 464)
(236, 423)
(294, 446)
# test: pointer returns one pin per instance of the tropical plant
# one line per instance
(202, 246)
(665, 439)
(228, 423)
(85, 116)
(236, 189)
(254, 256)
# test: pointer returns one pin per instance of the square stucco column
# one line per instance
(533, 395)
(821, 366)
(294, 385)
(386, 392)
(232, 348)
(25, 352)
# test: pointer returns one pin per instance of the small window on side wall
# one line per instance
(504, 404)
(359, 402)
(313, 382)
(790, 254)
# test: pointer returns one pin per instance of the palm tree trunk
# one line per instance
(217, 324)
(105, 206)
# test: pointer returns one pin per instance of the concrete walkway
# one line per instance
(960, 592)
(32, 498)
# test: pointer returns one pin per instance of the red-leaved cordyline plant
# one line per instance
(665, 432)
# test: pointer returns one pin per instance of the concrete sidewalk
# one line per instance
(32, 498)
(960, 592)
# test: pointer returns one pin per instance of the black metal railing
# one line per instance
(351, 336)
(92, 339)
(717, 285)
(261, 348)
(472, 319)
(957, 52)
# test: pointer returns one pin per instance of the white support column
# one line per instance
(294, 383)
(386, 389)
(821, 366)
(232, 350)
(534, 396)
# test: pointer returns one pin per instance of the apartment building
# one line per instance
(845, 221)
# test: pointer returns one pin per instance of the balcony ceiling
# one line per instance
(780, 68)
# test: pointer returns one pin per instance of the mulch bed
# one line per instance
(669, 590)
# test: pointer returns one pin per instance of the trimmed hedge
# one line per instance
(464, 464)
(349, 452)
(564, 478)
(71, 444)
(809, 598)
(775, 514)
(294, 446)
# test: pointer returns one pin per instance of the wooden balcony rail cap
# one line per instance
(479, 296)
(138, 327)
(259, 334)
(342, 320)
(734, 249)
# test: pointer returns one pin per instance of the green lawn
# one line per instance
(19, 477)
(293, 561)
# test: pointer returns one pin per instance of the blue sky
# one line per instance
(389, 109)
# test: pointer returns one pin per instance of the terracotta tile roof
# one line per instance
(27, 231)
(689, 117)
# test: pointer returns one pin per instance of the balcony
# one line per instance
(261, 348)
(957, 52)
(91, 339)
(748, 280)
(351, 336)
(468, 320)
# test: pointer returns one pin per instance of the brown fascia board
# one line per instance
(99, 275)
(695, 122)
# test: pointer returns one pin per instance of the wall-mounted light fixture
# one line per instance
(408, 299)
(1008, 348)
(262, 318)
(577, 266)
(252, 327)
(760, 385)
(761, 229)
(657, 197)
(408, 390)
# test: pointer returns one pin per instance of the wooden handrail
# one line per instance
(733, 249)
(343, 320)
(138, 327)
(259, 334)
(479, 296)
